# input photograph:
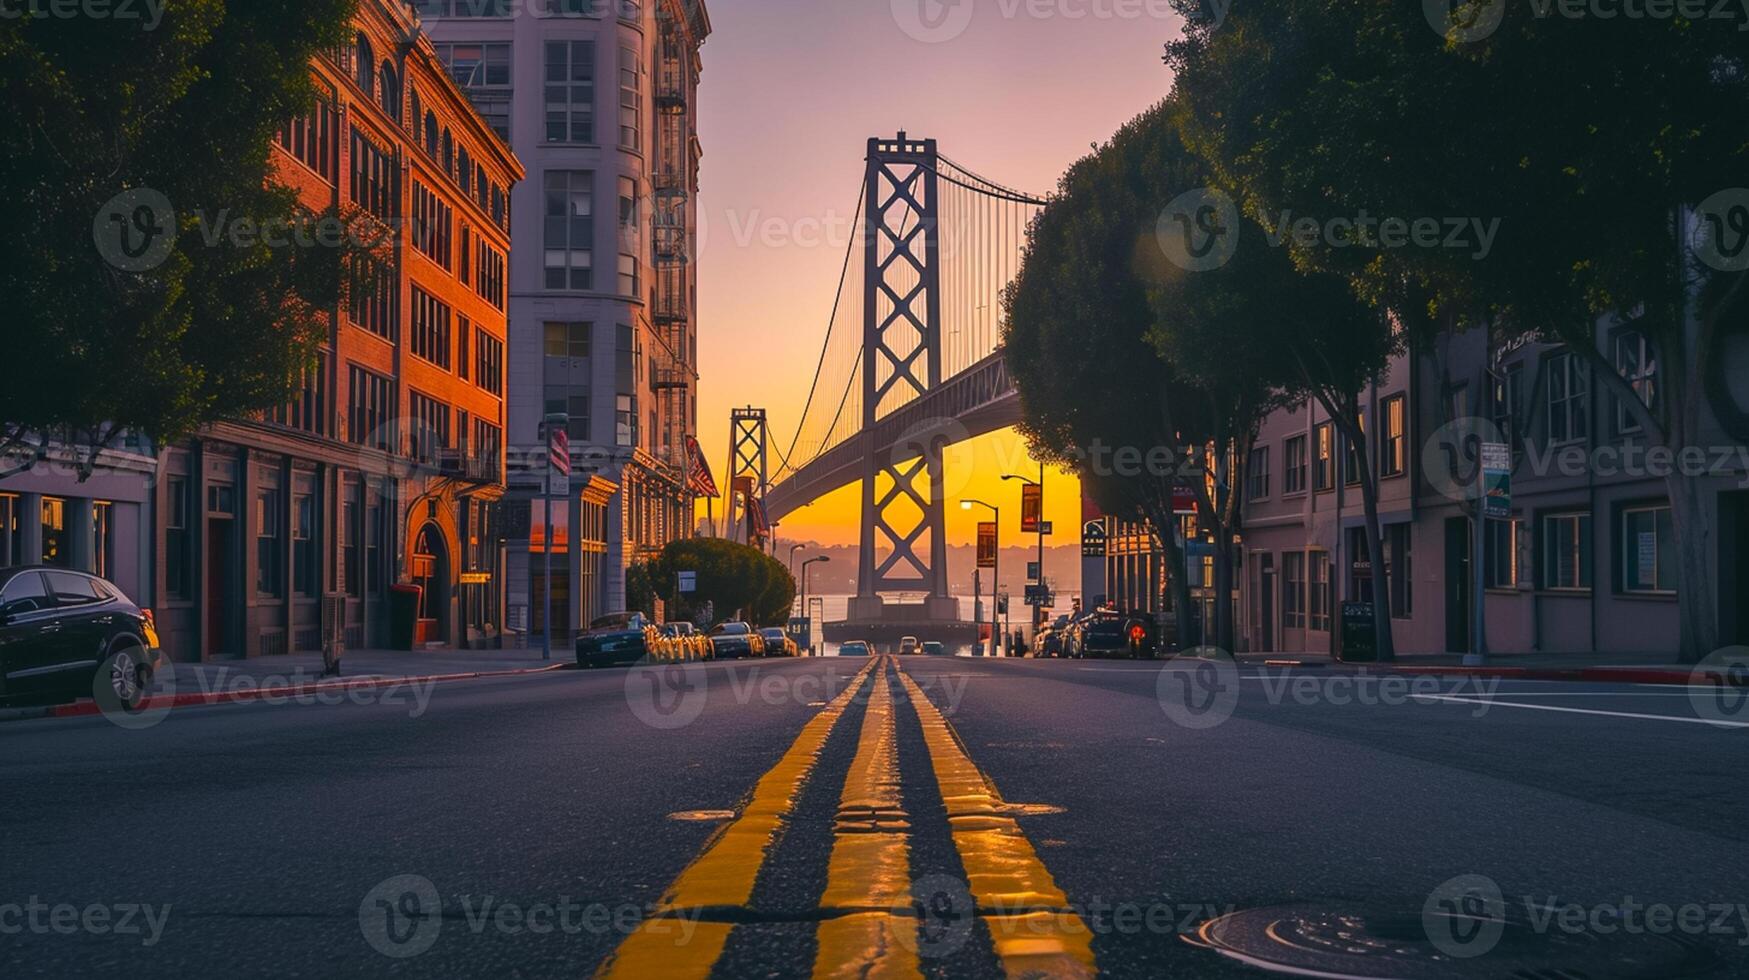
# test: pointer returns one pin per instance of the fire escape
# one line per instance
(673, 374)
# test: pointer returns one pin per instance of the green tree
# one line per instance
(1096, 397)
(735, 579)
(1593, 141)
(183, 112)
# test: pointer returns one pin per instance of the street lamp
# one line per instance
(995, 573)
(792, 557)
(1038, 611)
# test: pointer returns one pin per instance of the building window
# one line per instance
(176, 539)
(370, 410)
(625, 421)
(310, 138)
(1400, 569)
(1567, 551)
(483, 72)
(464, 347)
(1293, 466)
(267, 543)
(431, 328)
(1323, 466)
(103, 539)
(57, 546)
(1351, 454)
(364, 65)
(1394, 436)
(431, 427)
(1501, 568)
(1257, 474)
(352, 539)
(1507, 386)
(375, 183)
(306, 573)
(628, 275)
(1293, 590)
(1647, 546)
(570, 229)
(11, 541)
(570, 91)
(1569, 399)
(489, 362)
(568, 339)
(489, 277)
(1321, 596)
(575, 407)
(375, 527)
(631, 101)
(373, 298)
(433, 225)
(390, 96)
(488, 442)
(1638, 365)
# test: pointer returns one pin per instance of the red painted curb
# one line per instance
(80, 709)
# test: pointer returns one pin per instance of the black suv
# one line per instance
(66, 635)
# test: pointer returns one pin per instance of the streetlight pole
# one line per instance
(792, 557)
(1038, 610)
(995, 573)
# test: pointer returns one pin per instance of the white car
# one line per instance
(908, 646)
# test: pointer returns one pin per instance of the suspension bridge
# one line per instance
(911, 363)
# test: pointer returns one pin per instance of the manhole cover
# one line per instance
(1362, 943)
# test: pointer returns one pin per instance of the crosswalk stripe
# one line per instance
(1034, 931)
(724, 875)
(870, 862)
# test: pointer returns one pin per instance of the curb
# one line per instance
(1595, 675)
(86, 708)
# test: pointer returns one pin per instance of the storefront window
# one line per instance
(103, 539)
(11, 541)
(176, 539)
(57, 548)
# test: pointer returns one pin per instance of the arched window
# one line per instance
(431, 134)
(391, 92)
(364, 65)
(418, 111)
(464, 171)
(448, 153)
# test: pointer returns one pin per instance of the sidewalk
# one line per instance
(1611, 668)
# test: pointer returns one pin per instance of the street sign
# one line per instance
(688, 583)
(1183, 500)
(1046, 528)
(1040, 595)
(1033, 570)
(1032, 503)
(1496, 485)
(987, 544)
(1093, 539)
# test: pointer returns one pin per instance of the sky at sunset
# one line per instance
(793, 89)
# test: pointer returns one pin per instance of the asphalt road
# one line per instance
(549, 825)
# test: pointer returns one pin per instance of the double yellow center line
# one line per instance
(868, 928)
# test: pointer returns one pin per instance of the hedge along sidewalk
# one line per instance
(264, 678)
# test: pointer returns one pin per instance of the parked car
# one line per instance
(616, 639)
(731, 641)
(1112, 634)
(908, 646)
(853, 648)
(932, 648)
(686, 643)
(778, 643)
(66, 635)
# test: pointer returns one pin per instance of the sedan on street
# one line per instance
(732, 641)
(65, 635)
(617, 639)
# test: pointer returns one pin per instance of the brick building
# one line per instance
(388, 467)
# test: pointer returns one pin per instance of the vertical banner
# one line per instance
(558, 459)
(1032, 505)
(987, 544)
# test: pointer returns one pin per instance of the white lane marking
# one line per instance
(1578, 711)
(1599, 694)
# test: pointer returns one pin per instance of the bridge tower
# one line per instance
(748, 472)
(901, 360)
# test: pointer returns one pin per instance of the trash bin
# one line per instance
(404, 602)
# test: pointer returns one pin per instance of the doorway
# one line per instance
(1458, 587)
(1733, 597)
(221, 582)
(1266, 604)
(431, 574)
